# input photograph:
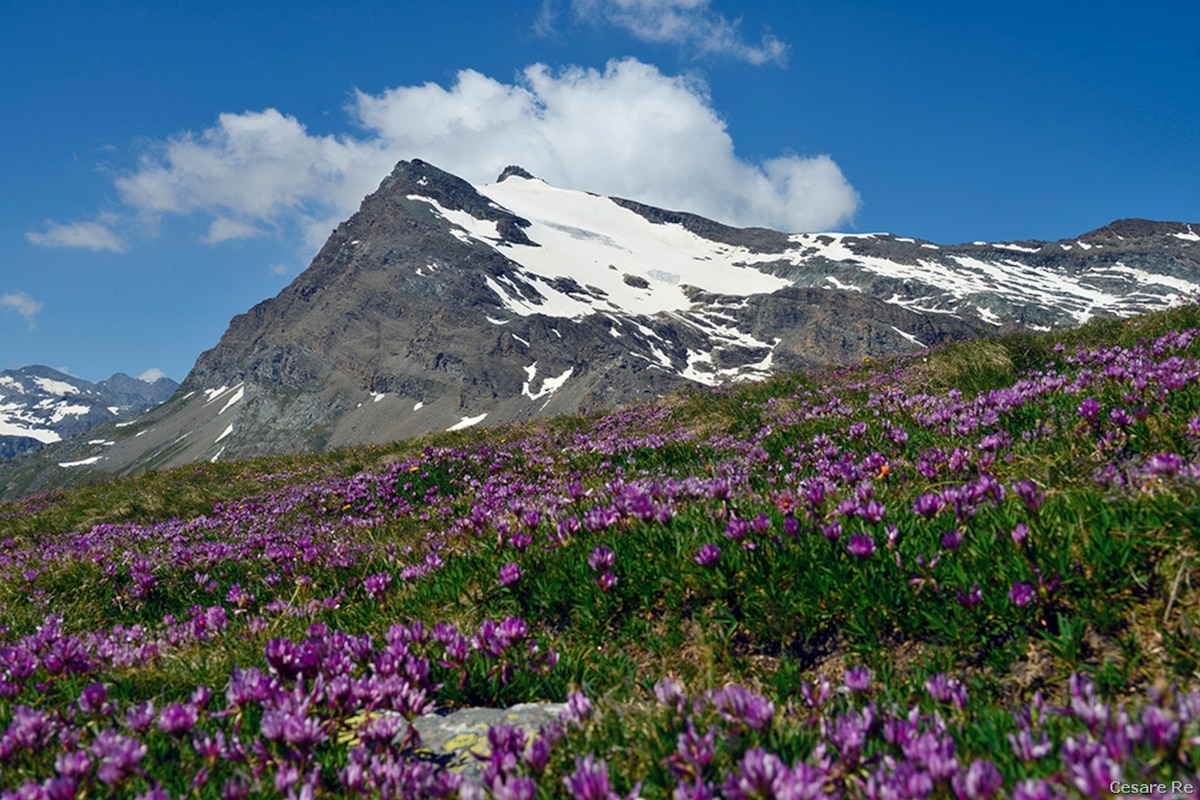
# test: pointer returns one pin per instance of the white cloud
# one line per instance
(687, 23)
(253, 171)
(21, 303)
(223, 229)
(151, 375)
(88, 235)
(627, 130)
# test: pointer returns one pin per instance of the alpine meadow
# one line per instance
(962, 572)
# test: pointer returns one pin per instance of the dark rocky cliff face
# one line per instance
(362, 320)
(440, 304)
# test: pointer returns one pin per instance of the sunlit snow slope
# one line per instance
(441, 305)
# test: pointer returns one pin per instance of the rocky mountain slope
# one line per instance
(442, 305)
(40, 405)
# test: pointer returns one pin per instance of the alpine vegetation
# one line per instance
(969, 572)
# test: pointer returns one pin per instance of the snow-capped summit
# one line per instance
(440, 305)
(40, 405)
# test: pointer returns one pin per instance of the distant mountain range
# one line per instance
(441, 305)
(40, 406)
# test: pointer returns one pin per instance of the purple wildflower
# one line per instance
(815, 698)
(971, 598)
(1028, 491)
(708, 555)
(692, 751)
(995, 441)
(600, 517)
(118, 756)
(177, 719)
(511, 630)
(952, 539)
(978, 782)
(1164, 464)
(92, 700)
(375, 585)
(590, 780)
(510, 573)
(857, 679)
(1021, 593)
(1026, 749)
(861, 545)
(741, 706)
(139, 718)
(531, 518)
(579, 708)
(1034, 789)
(670, 693)
(1120, 417)
(737, 529)
(872, 510)
(601, 559)
(928, 505)
(513, 787)
(760, 774)
(945, 689)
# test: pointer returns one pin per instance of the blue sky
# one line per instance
(168, 165)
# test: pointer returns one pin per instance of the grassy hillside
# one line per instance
(961, 573)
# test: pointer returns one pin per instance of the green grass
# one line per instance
(1110, 567)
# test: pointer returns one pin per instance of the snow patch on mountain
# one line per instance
(83, 462)
(549, 385)
(467, 422)
(41, 406)
(638, 267)
(12, 425)
(51, 386)
(238, 395)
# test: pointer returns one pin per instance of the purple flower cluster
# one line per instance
(317, 693)
(870, 750)
(939, 495)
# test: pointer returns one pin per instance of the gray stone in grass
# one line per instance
(457, 739)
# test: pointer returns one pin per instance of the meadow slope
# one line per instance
(968, 572)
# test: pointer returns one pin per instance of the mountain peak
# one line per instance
(512, 170)
(1135, 228)
(441, 304)
(419, 179)
(40, 405)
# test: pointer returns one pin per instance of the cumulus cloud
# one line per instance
(254, 171)
(151, 375)
(22, 304)
(627, 130)
(690, 24)
(88, 235)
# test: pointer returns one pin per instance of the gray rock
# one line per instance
(457, 739)
(418, 315)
